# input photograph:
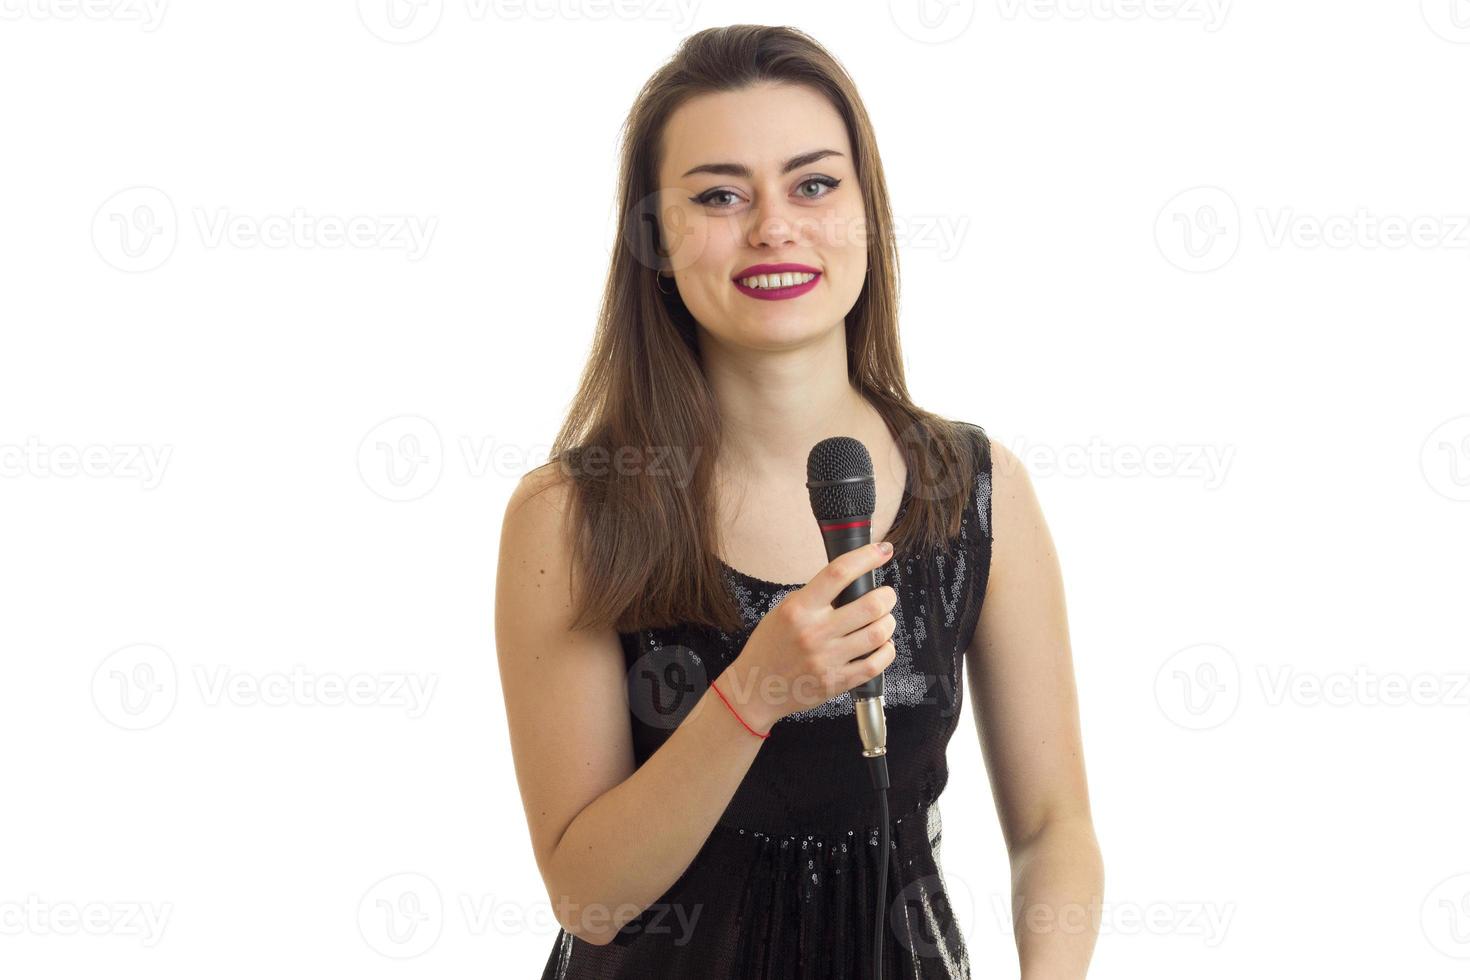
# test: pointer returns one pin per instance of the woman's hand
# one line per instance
(805, 652)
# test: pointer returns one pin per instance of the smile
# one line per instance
(781, 285)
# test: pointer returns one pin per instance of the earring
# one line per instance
(659, 279)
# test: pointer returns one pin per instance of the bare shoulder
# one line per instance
(547, 490)
(1005, 467)
(535, 555)
(563, 687)
(1018, 527)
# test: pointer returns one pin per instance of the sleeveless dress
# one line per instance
(784, 886)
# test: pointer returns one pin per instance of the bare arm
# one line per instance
(566, 705)
(1024, 697)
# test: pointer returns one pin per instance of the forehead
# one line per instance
(761, 126)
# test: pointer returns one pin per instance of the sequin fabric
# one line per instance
(784, 886)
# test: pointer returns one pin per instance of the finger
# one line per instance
(844, 570)
(867, 639)
(866, 608)
(866, 668)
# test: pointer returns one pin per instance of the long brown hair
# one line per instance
(642, 434)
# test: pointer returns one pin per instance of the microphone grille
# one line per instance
(839, 479)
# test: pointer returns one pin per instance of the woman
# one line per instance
(675, 673)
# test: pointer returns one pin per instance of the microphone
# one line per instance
(839, 481)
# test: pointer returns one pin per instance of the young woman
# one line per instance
(676, 676)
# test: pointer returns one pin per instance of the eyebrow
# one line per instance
(741, 170)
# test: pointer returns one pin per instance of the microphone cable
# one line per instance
(878, 772)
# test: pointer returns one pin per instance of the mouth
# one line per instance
(783, 280)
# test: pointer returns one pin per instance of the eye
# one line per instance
(829, 182)
(708, 197)
(711, 198)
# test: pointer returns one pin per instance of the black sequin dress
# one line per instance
(784, 886)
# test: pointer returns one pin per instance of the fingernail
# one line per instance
(886, 547)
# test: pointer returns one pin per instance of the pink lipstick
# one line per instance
(777, 292)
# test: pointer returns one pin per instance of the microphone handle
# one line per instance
(839, 541)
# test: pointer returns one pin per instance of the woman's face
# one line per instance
(747, 179)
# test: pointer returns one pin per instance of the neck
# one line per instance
(775, 404)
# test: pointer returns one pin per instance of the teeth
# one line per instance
(778, 280)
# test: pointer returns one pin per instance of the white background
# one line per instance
(245, 460)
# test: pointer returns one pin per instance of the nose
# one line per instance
(772, 226)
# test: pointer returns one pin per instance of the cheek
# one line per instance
(686, 236)
(722, 237)
(855, 234)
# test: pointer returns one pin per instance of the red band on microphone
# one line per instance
(839, 527)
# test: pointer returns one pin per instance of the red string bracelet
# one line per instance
(737, 714)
